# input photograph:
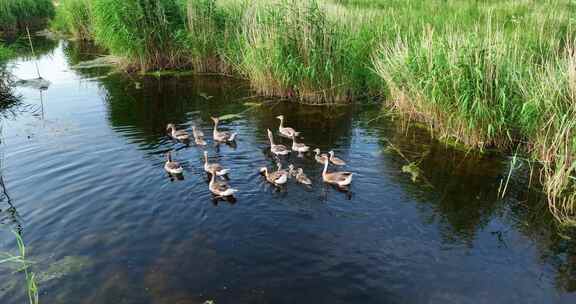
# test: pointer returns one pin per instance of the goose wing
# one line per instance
(179, 133)
(279, 149)
(214, 167)
(173, 165)
(338, 176)
(221, 186)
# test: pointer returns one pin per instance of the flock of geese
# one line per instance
(220, 187)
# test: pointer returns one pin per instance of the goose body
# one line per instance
(299, 175)
(220, 188)
(299, 147)
(171, 166)
(222, 136)
(320, 157)
(180, 135)
(341, 179)
(335, 160)
(285, 131)
(277, 178)
(213, 167)
(277, 149)
(198, 136)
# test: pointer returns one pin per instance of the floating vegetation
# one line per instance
(230, 116)
(412, 169)
(67, 266)
(35, 83)
(100, 62)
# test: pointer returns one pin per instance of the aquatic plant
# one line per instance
(146, 33)
(23, 266)
(494, 86)
(75, 18)
(15, 15)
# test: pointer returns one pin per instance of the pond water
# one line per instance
(82, 165)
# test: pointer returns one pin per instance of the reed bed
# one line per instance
(482, 73)
(15, 15)
(74, 17)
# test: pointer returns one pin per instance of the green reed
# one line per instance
(145, 33)
(16, 14)
(74, 17)
(23, 267)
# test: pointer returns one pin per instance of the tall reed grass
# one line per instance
(74, 17)
(146, 33)
(15, 15)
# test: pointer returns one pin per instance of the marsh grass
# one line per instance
(75, 18)
(15, 15)
(146, 33)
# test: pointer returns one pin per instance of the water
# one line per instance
(82, 165)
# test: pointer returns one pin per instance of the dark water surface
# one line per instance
(103, 223)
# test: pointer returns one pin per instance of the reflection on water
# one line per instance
(88, 179)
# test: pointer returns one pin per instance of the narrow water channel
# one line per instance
(83, 167)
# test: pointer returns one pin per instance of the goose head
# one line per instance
(215, 119)
(280, 117)
(169, 127)
(263, 170)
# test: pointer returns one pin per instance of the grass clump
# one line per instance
(15, 15)
(212, 38)
(146, 33)
(5, 53)
(506, 79)
(74, 17)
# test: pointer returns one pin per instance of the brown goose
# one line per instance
(341, 179)
(335, 160)
(180, 135)
(285, 131)
(220, 188)
(171, 166)
(222, 136)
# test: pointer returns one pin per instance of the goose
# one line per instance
(299, 175)
(285, 131)
(198, 136)
(171, 166)
(277, 178)
(340, 179)
(276, 149)
(213, 167)
(320, 158)
(220, 188)
(222, 136)
(291, 170)
(335, 160)
(299, 147)
(180, 135)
